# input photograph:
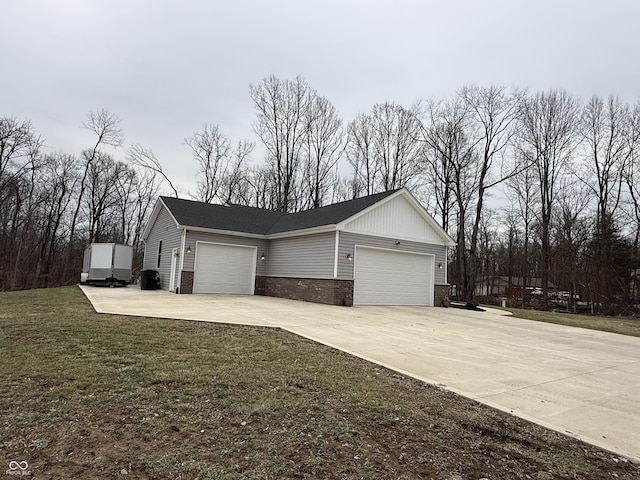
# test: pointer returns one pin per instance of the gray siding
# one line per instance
(193, 237)
(348, 241)
(164, 229)
(309, 256)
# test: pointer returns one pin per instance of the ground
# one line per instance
(98, 396)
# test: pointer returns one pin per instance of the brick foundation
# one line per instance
(440, 293)
(316, 290)
(186, 282)
(260, 286)
(327, 291)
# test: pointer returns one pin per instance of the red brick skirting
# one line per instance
(186, 282)
(441, 292)
(316, 290)
(327, 291)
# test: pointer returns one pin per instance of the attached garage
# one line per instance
(223, 268)
(382, 249)
(391, 277)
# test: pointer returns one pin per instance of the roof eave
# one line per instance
(304, 231)
(234, 233)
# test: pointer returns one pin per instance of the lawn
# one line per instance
(84, 395)
(623, 325)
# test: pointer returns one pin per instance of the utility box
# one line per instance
(107, 264)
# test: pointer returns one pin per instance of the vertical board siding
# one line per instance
(164, 229)
(395, 218)
(193, 237)
(348, 241)
(309, 256)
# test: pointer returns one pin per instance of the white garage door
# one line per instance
(390, 277)
(221, 268)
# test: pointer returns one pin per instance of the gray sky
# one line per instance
(165, 67)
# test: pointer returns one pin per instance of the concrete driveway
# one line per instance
(581, 382)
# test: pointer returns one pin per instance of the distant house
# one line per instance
(500, 286)
(383, 249)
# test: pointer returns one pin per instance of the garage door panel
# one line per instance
(223, 268)
(388, 277)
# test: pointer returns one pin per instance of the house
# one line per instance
(502, 286)
(383, 249)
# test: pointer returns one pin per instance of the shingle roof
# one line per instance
(234, 218)
(238, 218)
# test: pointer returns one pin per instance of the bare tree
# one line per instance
(444, 132)
(106, 128)
(345, 188)
(396, 149)
(19, 145)
(360, 156)
(234, 188)
(125, 191)
(104, 177)
(571, 228)
(147, 186)
(261, 188)
(547, 137)
(145, 158)
(324, 146)
(212, 152)
(492, 112)
(451, 158)
(631, 173)
(20, 164)
(59, 181)
(280, 124)
(220, 167)
(383, 148)
(604, 129)
(522, 192)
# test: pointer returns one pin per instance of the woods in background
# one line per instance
(531, 185)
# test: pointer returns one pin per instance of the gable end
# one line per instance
(400, 217)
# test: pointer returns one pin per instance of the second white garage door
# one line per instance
(390, 277)
(221, 268)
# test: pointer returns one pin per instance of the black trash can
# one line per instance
(149, 280)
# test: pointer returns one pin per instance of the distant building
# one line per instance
(501, 286)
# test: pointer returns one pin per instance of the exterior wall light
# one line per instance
(349, 257)
(262, 257)
(189, 249)
(440, 266)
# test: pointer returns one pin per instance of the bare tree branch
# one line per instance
(145, 158)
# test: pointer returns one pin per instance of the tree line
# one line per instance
(529, 184)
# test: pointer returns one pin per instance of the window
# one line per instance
(159, 253)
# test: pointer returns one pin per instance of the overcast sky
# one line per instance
(167, 67)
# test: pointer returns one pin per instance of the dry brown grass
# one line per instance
(622, 325)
